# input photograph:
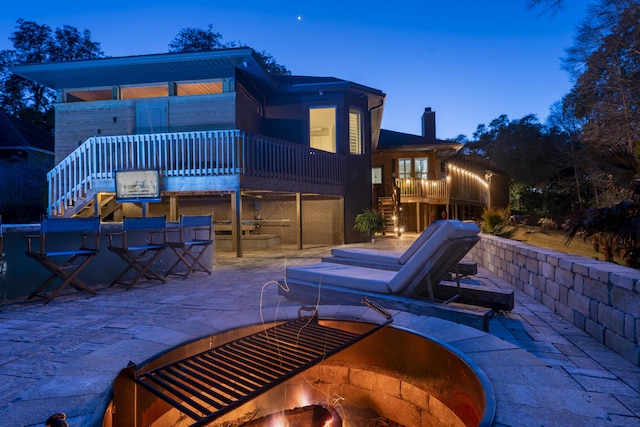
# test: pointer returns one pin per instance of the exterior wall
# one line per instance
(599, 297)
(78, 121)
(322, 217)
(202, 112)
(288, 119)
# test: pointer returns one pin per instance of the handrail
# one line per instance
(461, 189)
(188, 154)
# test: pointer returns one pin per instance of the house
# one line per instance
(268, 155)
(26, 155)
(419, 178)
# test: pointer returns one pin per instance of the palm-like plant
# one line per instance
(619, 227)
(370, 222)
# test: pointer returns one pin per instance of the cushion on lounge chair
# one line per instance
(427, 255)
(348, 276)
(389, 257)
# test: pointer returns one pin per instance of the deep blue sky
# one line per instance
(469, 60)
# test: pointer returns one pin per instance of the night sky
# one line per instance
(469, 60)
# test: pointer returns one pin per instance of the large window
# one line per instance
(93, 94)
(144, 91)
(355, 132)
(322, 128)
(198, 87)
(404, 168)
(422, 165)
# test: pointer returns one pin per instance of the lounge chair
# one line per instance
(442, 290)
(405, 289)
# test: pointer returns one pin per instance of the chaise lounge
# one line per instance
(447, 291)
(405, 289)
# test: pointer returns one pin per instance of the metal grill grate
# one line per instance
(209, 384)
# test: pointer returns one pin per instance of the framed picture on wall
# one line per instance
(138, 186)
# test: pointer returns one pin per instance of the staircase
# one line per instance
(387, 207)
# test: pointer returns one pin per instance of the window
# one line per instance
(355, 132)
(144, 91)
(404, 168)
(422, 165)
(93, 94)
(198, 87)
(322, 128)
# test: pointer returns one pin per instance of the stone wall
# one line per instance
(599, 297)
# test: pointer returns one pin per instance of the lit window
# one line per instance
(322, 128)
(198, 88)
(93, 94)
(144, 91)
(355, 132)
(422, 164)
(404, 168)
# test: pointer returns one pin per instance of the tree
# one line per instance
(197, 39)
(33, 43)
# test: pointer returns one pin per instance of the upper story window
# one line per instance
(198, 87)
(92, 94)
(322, 128)
(144, 91)
(355, 132)
(404, 168)
(422, 167)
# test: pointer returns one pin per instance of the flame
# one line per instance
(279, 421)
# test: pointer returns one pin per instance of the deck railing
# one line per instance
(435, 189)
(422, 188)
(188, 154)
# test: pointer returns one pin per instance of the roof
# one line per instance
(145, 69)
(399, 141)
(19, 134)
(312, 83)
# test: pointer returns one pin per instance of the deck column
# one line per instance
(299, 217)
(236, 222)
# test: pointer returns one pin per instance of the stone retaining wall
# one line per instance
(599, 297)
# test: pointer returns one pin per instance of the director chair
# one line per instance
(60, 256)
(196, 236)
(141, 242)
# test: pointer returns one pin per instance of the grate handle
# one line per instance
(377, 307)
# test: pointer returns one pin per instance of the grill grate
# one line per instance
(207, 385)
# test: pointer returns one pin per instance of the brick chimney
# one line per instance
(429, 125)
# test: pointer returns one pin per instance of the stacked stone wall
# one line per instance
(599, 297)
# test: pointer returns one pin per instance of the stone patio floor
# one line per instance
(63, 357)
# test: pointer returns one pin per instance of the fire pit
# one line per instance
(391, 375)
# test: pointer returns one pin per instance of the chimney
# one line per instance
(429, 125)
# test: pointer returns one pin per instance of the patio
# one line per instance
(63, 357)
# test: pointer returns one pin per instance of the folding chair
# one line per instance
(141, 242)
(190, 250)
(60, 257)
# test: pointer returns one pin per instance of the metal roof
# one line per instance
(145, 69)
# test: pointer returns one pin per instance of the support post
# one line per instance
(236, 222)
(299, 217)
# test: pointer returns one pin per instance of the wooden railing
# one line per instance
(187, 154)
(433, 189)
(422, 188)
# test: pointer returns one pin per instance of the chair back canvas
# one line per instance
(446, 247)
(146, 223)
(63, 225)
(421, 240)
